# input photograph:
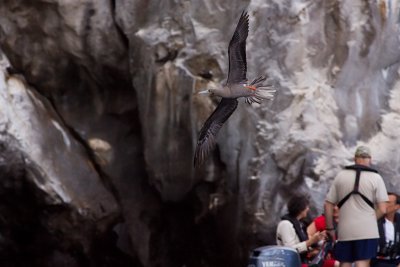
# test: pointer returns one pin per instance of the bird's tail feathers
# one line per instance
(263, 91)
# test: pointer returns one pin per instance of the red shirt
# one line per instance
(320, 223)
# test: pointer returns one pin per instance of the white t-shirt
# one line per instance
(357, 220)
(389, 231)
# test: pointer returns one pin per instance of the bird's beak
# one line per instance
(203, 92)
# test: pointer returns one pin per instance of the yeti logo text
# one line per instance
(272, 264)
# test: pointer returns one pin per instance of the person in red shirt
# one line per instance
(319, 225)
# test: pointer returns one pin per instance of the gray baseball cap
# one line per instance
(362, 152)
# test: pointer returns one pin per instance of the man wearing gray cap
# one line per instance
(360, 194)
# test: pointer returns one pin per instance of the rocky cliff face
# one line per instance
(99, 124)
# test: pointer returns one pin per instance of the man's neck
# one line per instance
(390, 217)
(363, 161)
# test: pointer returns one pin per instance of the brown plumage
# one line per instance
(236, 86)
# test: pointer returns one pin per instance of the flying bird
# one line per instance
(236, 86)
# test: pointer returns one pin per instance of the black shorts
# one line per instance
(355, 250)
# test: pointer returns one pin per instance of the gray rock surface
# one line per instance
(99, 122)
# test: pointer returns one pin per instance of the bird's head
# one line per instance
(206, 92)
(214, 89)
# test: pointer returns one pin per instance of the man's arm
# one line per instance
(380, 209)
(381, 198)
(329, 218)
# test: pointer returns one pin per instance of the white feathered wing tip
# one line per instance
(263, 91)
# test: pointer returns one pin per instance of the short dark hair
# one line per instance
(397, 197)
(297, 204)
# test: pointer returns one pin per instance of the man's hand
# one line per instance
(331, 234)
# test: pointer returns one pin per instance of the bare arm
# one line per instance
(311, 229)
(329, 214)
(380, 209)
(329, 219)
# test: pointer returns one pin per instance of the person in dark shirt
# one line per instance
(389, 235)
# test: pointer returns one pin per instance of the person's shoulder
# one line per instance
(378, 176)
(344, 173)
(347, 169)
(374, 175)
(285, 223)
(285, 226)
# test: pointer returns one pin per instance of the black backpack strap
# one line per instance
(355, 189)
(369, 202)
(361, 168)
(358, 169)
(341, 202)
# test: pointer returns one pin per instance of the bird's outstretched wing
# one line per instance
(208, 133)
(237, 51)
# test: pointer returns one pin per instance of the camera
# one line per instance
(389, 250)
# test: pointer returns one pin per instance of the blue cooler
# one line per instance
(274, 256)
